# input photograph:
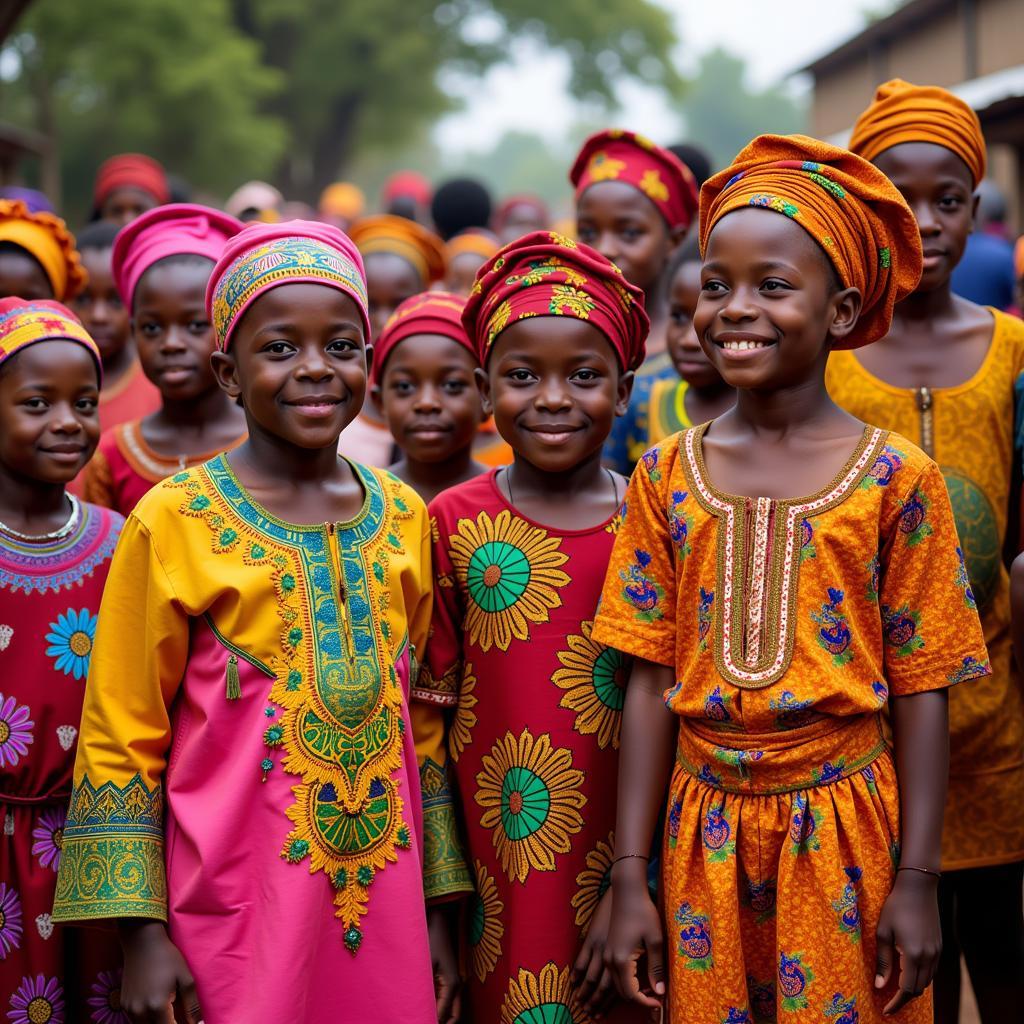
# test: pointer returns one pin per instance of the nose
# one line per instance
(608, 245)
(313, 365)
(552, 394)
(428, 399)
(739, 306)
(927, 222)
(173, 339)
(63, 419)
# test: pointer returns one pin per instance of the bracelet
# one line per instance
(923, 871)
(627, 856)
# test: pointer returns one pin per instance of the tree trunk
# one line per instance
(332, 151)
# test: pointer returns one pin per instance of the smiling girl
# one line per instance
(54, 557)
(782, 574)
(247, 802)
(161, 264)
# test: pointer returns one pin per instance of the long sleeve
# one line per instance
(445, 873)
(112, 860)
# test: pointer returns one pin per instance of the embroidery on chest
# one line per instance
(338, 721)
(760, 541)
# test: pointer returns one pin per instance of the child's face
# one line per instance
(172, 334)
(49, 423)
(298, 361)
(622, 224)
(390, 280)
(429, 397)
(937, 186)
(100, 308)
(123, 205)
(462, 273)
(683, 347)
(768, 303)
(554, 387)
(520, 220)
(21, 276)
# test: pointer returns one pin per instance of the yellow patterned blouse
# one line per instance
(969, 431)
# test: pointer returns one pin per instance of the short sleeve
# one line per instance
(637, 610)
(97, 484)
(931, 633)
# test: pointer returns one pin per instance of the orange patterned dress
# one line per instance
(969, 431)
(788, 624)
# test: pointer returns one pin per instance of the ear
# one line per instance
(483, 385)
(623, 392)
(846, 307)
(377, 397)
(369, 358)
(226, 372)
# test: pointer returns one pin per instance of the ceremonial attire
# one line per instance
(788, 624)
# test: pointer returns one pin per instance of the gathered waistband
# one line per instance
(818, 754)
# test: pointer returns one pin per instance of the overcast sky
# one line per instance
(530, 94)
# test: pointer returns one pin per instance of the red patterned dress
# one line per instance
(49, 598)
(534, 741)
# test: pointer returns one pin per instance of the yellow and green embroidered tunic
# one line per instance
(245, 768)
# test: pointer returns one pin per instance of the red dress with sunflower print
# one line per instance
(788, 624)
(49, 599)
(534, 741)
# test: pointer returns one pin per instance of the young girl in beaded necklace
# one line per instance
(256, 800)
(801, 852)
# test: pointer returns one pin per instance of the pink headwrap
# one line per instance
(263, 256)
(181, 229)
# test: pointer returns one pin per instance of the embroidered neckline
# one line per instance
(146, 462)
(759, 560)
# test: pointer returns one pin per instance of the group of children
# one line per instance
(468, 723)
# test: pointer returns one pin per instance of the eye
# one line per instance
(585, 375)
(713, 287)
(278, 348)
(679, 316)
(36, 403)
(198, 326)
(87, 405)
(402, 387)
(520, 376)
(342, 347)
(455, 387)
(585, 233)
(950, 202)
(149, 330)
(773, 284)
(631, 234)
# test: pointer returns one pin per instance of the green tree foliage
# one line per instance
(723, 113)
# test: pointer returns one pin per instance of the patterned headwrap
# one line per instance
(46, 237)
(26, 323)
(178, 229)
(263, 256)
(426, 313)
(479, 243)
(848, 206)
(402, 237)
(545, 274)
(902, 112)
(131, 170)
(625, 156)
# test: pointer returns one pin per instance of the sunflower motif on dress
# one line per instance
(594, 881)
(461, 733)
(529, 792)
(545, 998)
(511, 572)
(594, 680)
(486, 928)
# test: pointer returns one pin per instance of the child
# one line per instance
(520, 555)
(700, 394)
(54, 556)
(634, 204)
(945, 376)
(127, 393)
(801, 854)
(464, 255)
(518, 215)
(402, 259)
(269, 607)
(162, 262)
(127, 186)
(38, 258)
(423, 386)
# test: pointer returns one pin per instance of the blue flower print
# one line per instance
(70, 639)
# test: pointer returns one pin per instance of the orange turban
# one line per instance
(479, 243)
(848, 206)
(902, 112)
(405, 238)
(47, 238)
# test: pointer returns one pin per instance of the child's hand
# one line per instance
(636, 929)
(592, 979)
(447, 983)
(156, 976)
(909, 925)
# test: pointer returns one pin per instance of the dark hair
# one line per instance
(695, 158)
(459, 204)
(99, 234)
(687, 252)
(12, 248)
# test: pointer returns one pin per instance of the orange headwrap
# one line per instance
(848, 206)
(405, 238)
(479, 243)
(902, 112)
(342, 199)
(47, 238)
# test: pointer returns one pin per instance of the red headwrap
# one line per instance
(409, 184)
(625, 156)
(131, 170)
(546, 274)
(426, 313)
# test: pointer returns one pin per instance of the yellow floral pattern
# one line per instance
(485, 929)
(461, 733)
(543, 997)
(593, 881)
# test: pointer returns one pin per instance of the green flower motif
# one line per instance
(266, 764)
(294, 636)
(274, 736)
(353, 939)
(256, 552)
(227, 537)
(378, 572)
(287, 582)
(180, 478)
(297, 849)
(364, 876)
(340, 878)
(200, 503)
(404, 837)
(293, 680)
(401, 505)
